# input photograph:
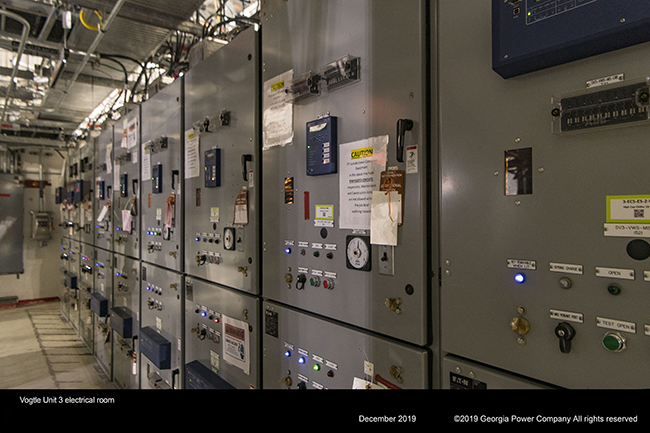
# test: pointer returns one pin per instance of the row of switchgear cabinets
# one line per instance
(293, 214)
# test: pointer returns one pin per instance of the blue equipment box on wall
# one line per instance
(198, 376)
(155, 347)
(530, 35)
(122, 321)
(99, 304)
(322, 145)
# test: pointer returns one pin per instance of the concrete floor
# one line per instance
(40, 350)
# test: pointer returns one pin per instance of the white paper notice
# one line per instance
(109, 159)
(236, 343)
(103, 213)
(277, 119)
(132, 132)
(126, 220)
(361, 164)
(146, 162)
(386, 214)
(192, 159)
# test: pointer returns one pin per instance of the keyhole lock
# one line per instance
(565, 333)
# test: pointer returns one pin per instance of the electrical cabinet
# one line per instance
(160, 337)
(103, 343)
(462, 374)
(345, 136)
(303, 351)
(87, 194)
(544, 252)
(222, 334)
(72, 284)
(161, 231)
(103, 189)
(86, 285)
(126, 185)
(123, 320)
(12, 188)
(64, 269)
(222, 166)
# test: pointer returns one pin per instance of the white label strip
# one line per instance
(566, 268)
(567, 315)
(522, 264)
(617, 325)
(627, 230)
(621, 274)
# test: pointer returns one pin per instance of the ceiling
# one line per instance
(67, 73)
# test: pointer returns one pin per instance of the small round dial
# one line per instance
(358, 253)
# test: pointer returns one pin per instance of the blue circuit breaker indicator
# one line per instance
(212, 168)
(322, 144)
(156, 178)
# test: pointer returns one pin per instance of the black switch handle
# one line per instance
(244, 160)
(403, 125)
(565, 333)
(174, 175)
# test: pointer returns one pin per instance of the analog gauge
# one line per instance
(358, 253)
(229, 238)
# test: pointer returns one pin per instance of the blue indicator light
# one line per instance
(301, 360)
(520, 278)
(205, 313)
(287, 354)
(287, 250)
(197, 239)
(117, 229)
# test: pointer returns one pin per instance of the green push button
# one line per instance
(614, 342)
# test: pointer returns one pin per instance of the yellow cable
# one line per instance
(86, 25)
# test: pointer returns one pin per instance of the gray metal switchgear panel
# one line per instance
(103, 189)
(303, 351)
(161, 148)
(460, 373)
(160, 337)
(222, 166)
(126, 184)
(86, 285)
(64, 268)
(85, 191)
(72, 284)
(544, 218)
(72, 204)
(345, 146)
(103, 296)
(123, 320)
(222, 333)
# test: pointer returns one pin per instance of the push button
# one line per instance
(614, 342)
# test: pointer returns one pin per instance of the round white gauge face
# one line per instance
(358, 252)
(228, 239)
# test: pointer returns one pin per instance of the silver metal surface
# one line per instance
(302, 351)
(11, 223)
(162, 306)
(161, 147)
(294, 33)
(556, 232)
(210, 212)
(223, 332)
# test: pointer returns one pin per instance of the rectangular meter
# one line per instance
(212, 168)
(156, 177)
(321, 146)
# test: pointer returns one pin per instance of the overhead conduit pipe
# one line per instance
(101, 31)
(21, 48)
